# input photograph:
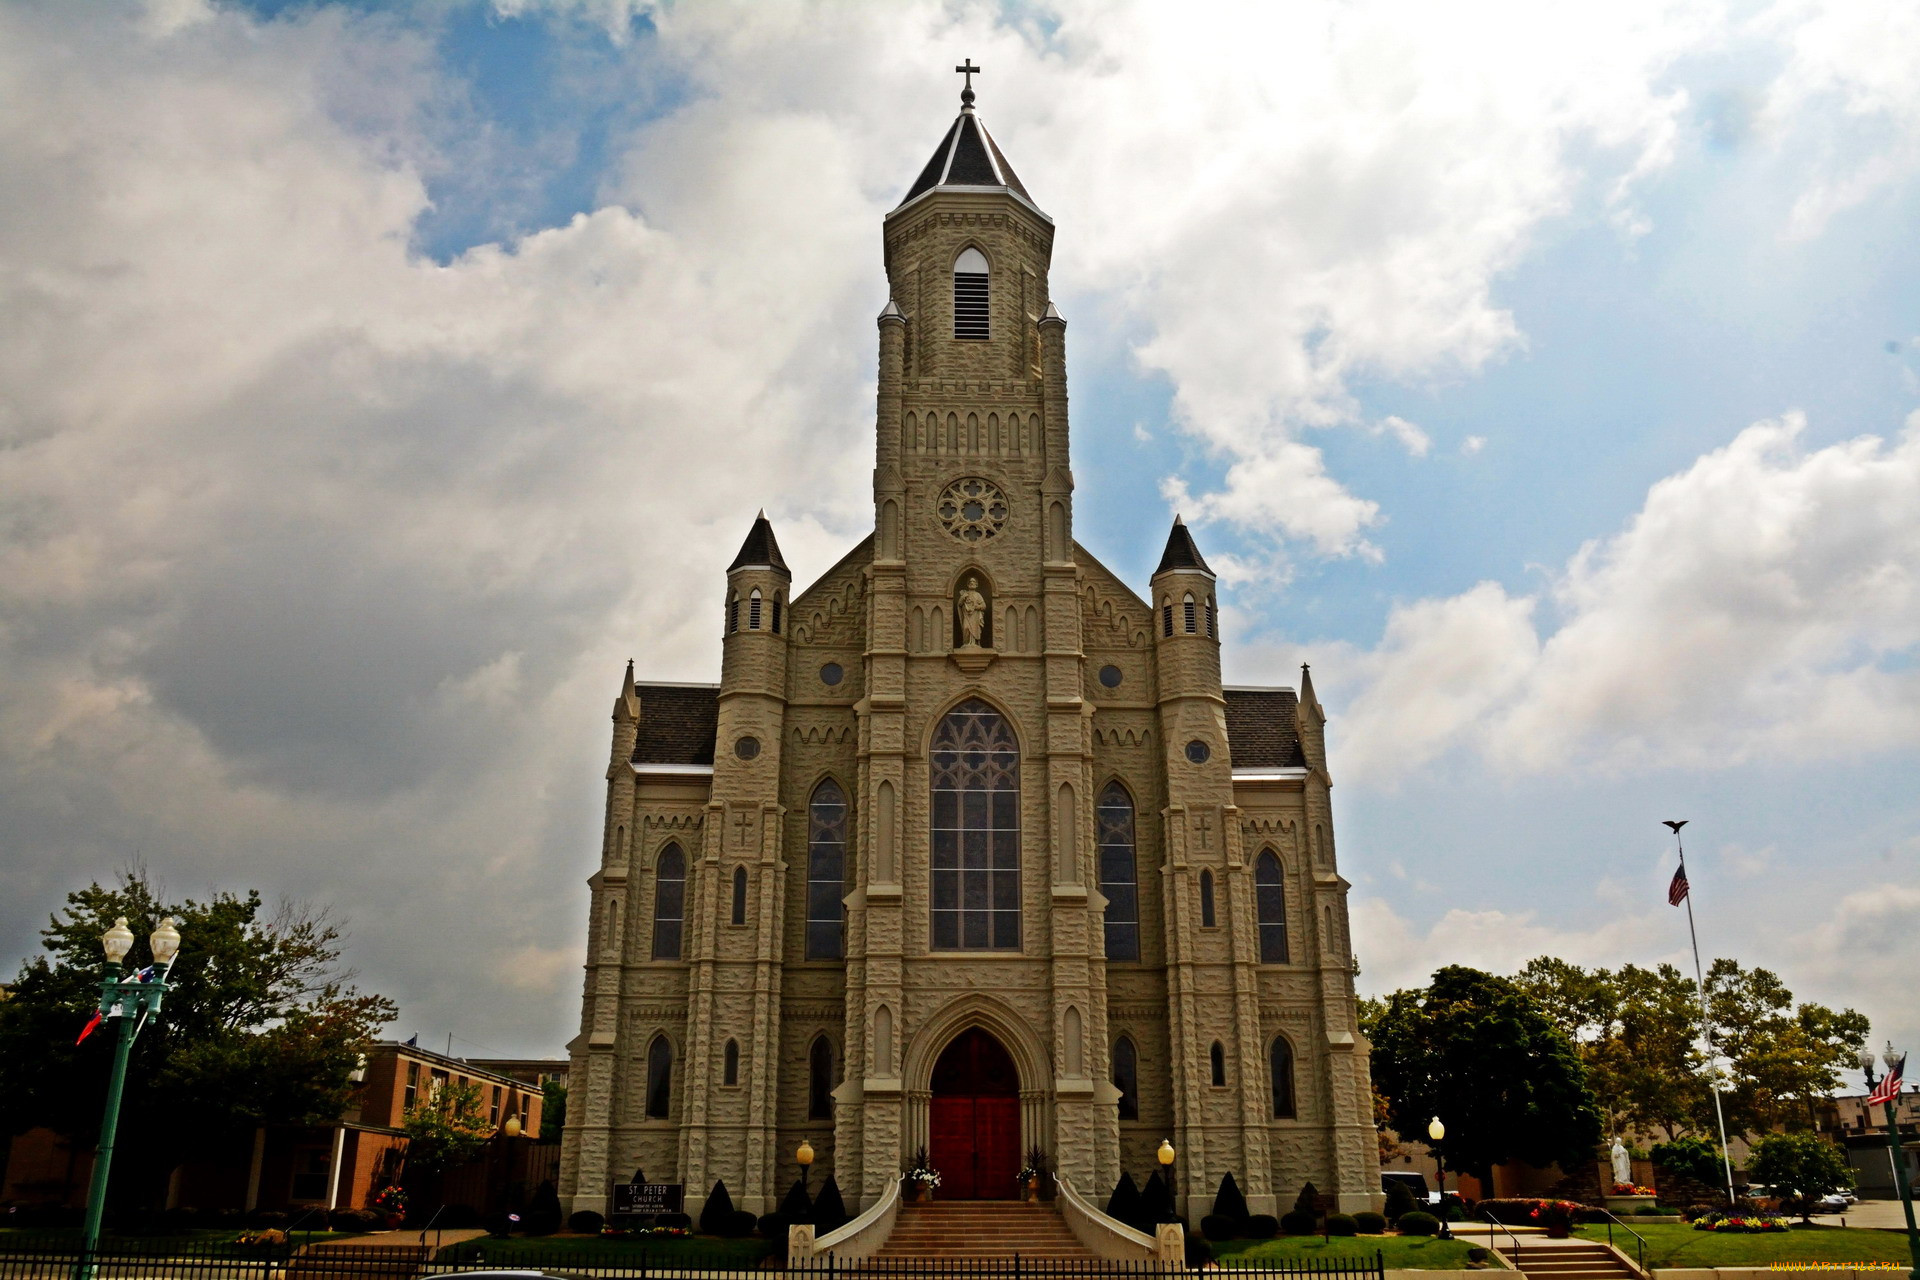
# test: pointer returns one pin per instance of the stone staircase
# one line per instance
(980, 1229)
(352, 1260)
(1572, 1261)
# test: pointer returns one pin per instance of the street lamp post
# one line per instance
(1435, 1133)
(1896, 1067)
(1166, 1157)
(128, 1002)
(805, 1156)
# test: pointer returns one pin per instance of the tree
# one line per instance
(553, 1112)
(1477, 1051)
(1801, 1168)
(446, 1129)
(262, 1027)
(1637, 1032)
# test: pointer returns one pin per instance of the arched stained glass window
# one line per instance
(1280, 1064)
(1270, 905)
(976, 831)
(826, 871)
(669, 902)
(1126, 1077)
(1119, 883)
(820, 1080)
(659, 1079)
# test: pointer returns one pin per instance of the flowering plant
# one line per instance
(391, 1199)
(1741, 1224)
(920, 1171)
(1630, 1189)
(1550, 1209)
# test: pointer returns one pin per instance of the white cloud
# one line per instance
(1472, 445)
(1763, 604)
(1411, 437)
(1395, 953)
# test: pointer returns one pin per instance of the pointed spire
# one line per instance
(626, 706)
(1306, 687)
(760, 548)
(968, 157)
(1181, 553)
(892, 310)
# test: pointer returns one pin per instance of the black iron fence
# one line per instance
(22, 1258)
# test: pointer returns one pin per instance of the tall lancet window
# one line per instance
(970, 296)
(1118, 883)
(826, 871)
(976, 831)
(669, 902)
(1270, 906)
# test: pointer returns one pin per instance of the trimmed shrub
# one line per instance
(741, 1225)
(586, 1222)
(1218, 1226)
(267, 1218)
(830, 1210)
(773, 1229)
(1418, 1223)
(717, 1214)
(1400, 1200)
(1342, 1224)
(1306, 1201)
(798, 1206)
(1199, 1252)
(1156, 1203)
(355, 1220)
(1228, 1203)
(1477, 1257)
(500, 1225)
(542, 1217)
(1369, 1222)
(680, 1220)
(1299, 1222)
(1124, 1204)
(1261, 1226)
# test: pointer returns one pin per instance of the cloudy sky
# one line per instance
(375, 380)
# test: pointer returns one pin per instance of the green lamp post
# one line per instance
(1896, 1068)
(128, 1002)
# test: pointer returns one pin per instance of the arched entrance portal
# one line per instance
(974, 1137)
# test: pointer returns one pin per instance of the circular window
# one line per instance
(831, 674)
(1110, 677)
(1198, 751)
(749, 747)
(972, 509)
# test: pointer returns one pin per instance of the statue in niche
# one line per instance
(971, 607)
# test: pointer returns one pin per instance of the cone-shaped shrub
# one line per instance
(1228, 1202)
(829, 1210)
(798, 1206)
(716, 1216)
(1124, 1204)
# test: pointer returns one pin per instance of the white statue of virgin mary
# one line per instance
(1622, 1163)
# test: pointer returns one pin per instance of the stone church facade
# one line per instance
(969, 849)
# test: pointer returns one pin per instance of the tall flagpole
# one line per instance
(1706, 1021)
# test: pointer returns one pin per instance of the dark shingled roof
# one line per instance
(1262, 732)
(677, 723)
(760, 547)
(967, 157)
(1180, 552)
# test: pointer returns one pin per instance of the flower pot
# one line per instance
(1558, 1231)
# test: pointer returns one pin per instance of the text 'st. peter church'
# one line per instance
(969, 849)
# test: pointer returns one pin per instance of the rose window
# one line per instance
(972, 509)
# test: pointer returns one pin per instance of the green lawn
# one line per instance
(1403, 1253)
(1677, 1244)
(561, 1249)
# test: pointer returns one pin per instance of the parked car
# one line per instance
(1415, 1183)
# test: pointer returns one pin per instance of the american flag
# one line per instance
(1889, 1088)
(1677, 890)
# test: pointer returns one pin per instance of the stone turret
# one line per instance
(1185, 619)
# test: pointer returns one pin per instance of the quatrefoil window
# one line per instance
(972, 509)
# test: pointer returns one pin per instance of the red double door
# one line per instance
(974, 1138)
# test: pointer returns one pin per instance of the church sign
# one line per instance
(647, 1197)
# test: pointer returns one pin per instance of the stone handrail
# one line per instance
(863, 1237)
(1103, 1236)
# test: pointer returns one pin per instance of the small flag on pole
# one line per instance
(1677, 890)
(1889, 1088)
(92, 1023)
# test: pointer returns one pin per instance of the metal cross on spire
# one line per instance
(967, 69)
